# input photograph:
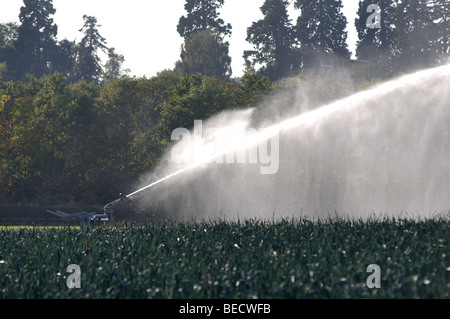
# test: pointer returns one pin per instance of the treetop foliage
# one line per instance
(31, 48)
(202, 15)
(205, 52)
(321, 31)
(89, 65)
(274, 41)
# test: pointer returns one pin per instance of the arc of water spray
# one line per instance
(311, 117)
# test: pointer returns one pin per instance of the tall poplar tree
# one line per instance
(274, 41)
(202, 15)
(36, 40)
(377, 43)
(204, 49)
(321, 31)
(89, 65)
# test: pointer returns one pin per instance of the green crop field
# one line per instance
(222, 259)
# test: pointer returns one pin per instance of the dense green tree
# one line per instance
(252, 88)
(441, 16)
(5, 128)
(202, 15)
(33, 111)
(195, 97)
(205, 52)
(135, 139)
(8, 33)
(274, 41)
(412, 35)
(64, 58)
(54, 142)
(83, 144)
(88, 65)
(414, 23)
(150, 140)
(114, 66)
(8, 63)
(321, 31)
(121, 101)
(8, 37)
(36, 40)
(377, 44)
(423, 38)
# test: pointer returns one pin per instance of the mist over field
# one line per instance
(383, 151)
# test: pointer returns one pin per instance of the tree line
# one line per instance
(75, 130)
(412, 34)
(31, 48)
(86, 142)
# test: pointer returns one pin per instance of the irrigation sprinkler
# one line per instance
(86, 218)
(108, 207)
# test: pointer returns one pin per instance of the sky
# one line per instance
(145, 31)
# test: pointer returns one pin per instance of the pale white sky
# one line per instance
(144, 31)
